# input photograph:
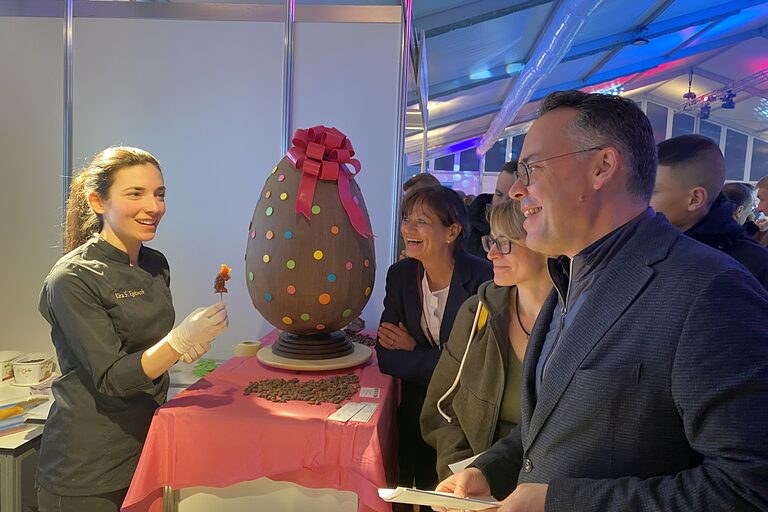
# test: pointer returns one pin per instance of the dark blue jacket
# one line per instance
(719, 230)
(655, 399)
(402, 304)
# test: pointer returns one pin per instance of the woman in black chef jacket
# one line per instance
(109, 306)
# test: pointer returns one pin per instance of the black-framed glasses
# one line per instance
(503, 245)
(524, 169)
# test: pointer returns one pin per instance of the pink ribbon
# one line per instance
(322, 153)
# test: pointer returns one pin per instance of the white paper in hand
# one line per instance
(437, 499)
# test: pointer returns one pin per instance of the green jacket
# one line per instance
(474, 405)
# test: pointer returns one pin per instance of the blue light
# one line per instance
(480, 75)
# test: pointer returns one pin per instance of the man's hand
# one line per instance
(470, 482)
(395, 337)
(525, 498)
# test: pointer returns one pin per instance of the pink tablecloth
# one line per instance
(212, 435)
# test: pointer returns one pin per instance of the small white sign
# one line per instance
(346, 412)
(365, 413)
(370, 392)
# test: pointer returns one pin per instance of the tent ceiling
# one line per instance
(476, 50)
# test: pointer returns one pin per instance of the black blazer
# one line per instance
(656, 398)
(402, 304)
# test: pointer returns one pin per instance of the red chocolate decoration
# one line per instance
(221, 278)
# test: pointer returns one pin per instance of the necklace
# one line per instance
(517, 311)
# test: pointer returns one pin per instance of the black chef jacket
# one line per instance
(103, 313)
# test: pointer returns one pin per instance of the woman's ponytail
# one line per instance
(81, 221)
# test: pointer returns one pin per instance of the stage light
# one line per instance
(728, 102)
(704, 112)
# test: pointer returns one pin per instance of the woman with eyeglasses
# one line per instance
(473, 398)
(424, 292)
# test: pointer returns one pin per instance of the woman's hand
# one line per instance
(395, 337)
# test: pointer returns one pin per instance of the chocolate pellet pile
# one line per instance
(362, 339)
(332, 390)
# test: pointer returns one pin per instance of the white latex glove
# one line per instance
(202, 326)
(195, 353)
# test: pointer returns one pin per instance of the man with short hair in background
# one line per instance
(689, 180)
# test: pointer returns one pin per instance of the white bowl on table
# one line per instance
(6, 358)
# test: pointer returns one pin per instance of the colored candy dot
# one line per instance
(335, 230)
(348, 266)
(274, 170)
(250, 276)
(318, 255)
(269, 211)
(283, 196)
(287, 320)
(253, 234)
(291, 289)
(320, 327)
(288, 235)
(281, 177)
(268, 297)
(346, 313)
(305, 316)
(331, 278)
(268, 194)
(265, 258)
(269, 235)
(368, 291)
(290, 264)
(366, 263)
(324, 299)
(316, 209)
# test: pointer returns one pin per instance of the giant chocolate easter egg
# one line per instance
(310, 262)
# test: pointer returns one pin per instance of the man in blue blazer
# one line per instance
(645, 382)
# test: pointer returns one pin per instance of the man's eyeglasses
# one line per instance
(524, 169)
(503, 245)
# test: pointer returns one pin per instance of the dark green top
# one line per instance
(103, 313)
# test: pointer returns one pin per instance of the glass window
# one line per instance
(517, 145)
(444, 163)
(759, 160)
(710, 130)
(468, 160)
(682, 124)
(657, 115)
(495, 157)
(735, 155)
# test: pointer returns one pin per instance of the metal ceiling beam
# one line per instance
(646, 65)
(660, 28)
(471, 13)
(578, 51)
(695, 36)
(640, 27)
(709, 75)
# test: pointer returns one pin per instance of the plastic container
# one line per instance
(32, 368)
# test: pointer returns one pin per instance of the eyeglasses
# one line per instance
(524, 169)
(503, 245)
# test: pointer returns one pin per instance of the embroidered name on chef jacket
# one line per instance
(129, 294)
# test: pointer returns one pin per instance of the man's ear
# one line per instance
(738, 211)
(607, 168)
(94, 199)
(697, 198)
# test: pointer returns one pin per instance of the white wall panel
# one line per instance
(31, 133)
(204, 97)
(346, 75)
